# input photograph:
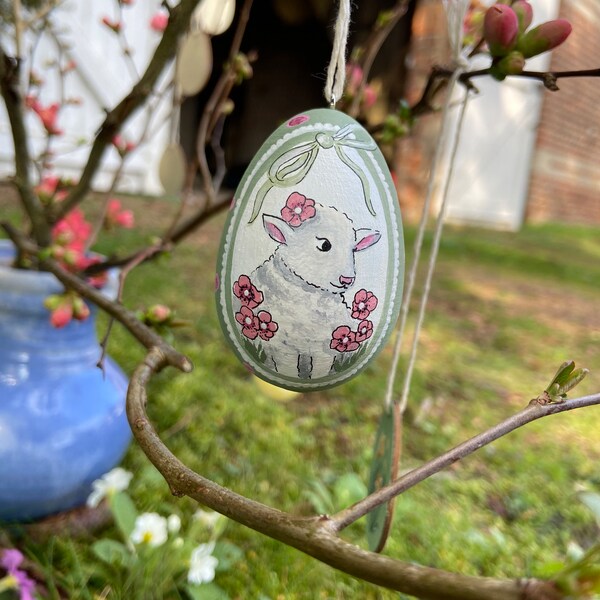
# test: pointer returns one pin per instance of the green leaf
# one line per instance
(348, 489)
(206, 591)
(563, 373)
(112, 553)
(228, 554)
(124, 512)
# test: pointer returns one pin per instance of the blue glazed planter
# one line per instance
(62, 423)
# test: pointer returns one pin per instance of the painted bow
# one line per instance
(292, 166)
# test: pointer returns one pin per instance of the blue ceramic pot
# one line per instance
(62, 422)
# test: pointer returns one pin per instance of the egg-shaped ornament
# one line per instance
(311, 264)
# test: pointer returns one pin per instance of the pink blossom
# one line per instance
(249, 322)
(297, 209)
(111, 24)
(266, 326)
(83, 262)
(364, 331)
(123, 146)
(159, 22)
(72, 231)
(369, 96)
(354, 75)
(48, 115)
(343, 340)
(47, 187)
(70, 65)
(10, 561)
(364, 304)
(116, 216)
(247, 293)
(62, 315)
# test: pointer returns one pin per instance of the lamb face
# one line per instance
(321, 250)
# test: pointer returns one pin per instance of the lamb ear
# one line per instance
(276, 228)
(368, 240)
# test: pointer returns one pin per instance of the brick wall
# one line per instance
(565, 179)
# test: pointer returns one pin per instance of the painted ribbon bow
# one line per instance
(292, 166)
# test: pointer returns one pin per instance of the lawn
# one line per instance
(506, 309)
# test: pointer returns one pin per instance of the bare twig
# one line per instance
(317, 536)
(213, 107)
(372, 47)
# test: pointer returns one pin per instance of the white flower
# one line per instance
(173, 523)
(208, 518)
(202, 564)
(110, 483)
(151, 529)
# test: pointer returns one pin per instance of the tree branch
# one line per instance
(141, 332)
(9, 87)
(317, 536)
(178, 20)
(535, 410)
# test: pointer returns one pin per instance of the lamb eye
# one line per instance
(324, 245)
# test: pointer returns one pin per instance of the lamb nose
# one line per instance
(346, 281)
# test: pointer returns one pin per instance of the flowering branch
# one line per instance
(9, 87)
(178, 21)
(141, 332)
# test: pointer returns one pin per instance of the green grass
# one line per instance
(505, 310)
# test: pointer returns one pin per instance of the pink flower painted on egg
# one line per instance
(298, 120)
(298, 208)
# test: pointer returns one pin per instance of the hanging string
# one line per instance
(336, 71)
(418, 245)
(434, 252)
(455, 12)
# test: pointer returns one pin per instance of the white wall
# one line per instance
(102, 77)
(492, 171)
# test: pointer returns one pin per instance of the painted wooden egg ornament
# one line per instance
(311, 264)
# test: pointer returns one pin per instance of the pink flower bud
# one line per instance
(61, 315)
(159, 22)
(524, 14)
(159, 313)
(500, 29)
(544, 37)
(81, 310)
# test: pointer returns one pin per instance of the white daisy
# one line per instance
(110, 483)
(202, 564)
(151, 529)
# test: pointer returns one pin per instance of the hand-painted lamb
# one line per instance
(294, 301)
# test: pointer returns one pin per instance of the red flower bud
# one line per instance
(544, 37)
(500, 29)
(61, 315)
(524, 14)
(81, 310)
